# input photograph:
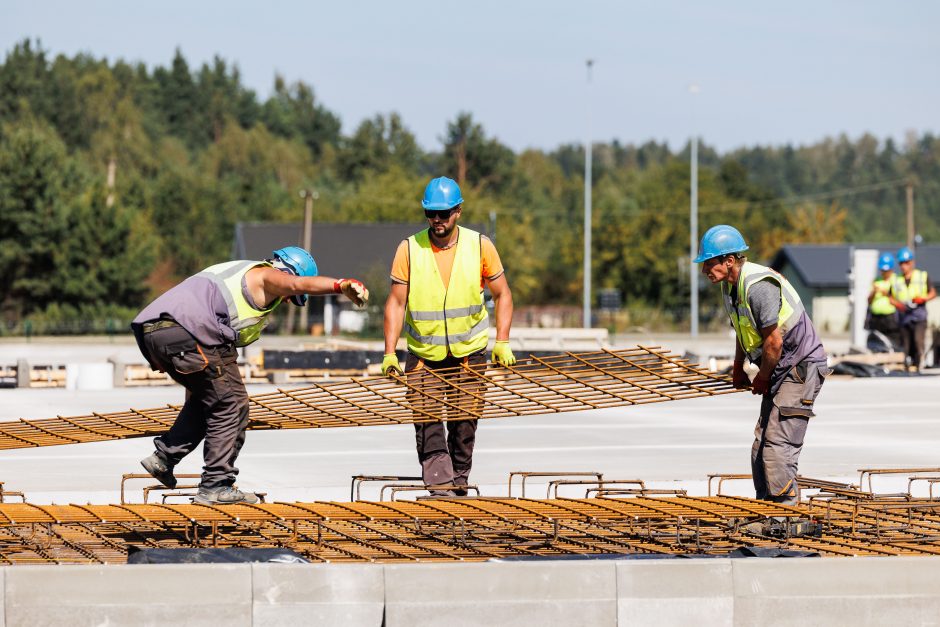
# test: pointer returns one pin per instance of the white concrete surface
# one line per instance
(742, 592)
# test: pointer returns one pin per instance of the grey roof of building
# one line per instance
(339, 249)
(827, 265)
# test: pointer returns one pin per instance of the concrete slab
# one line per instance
(185, 594)
(319, 594)
(857, 591)
(676, 592)
(543, 593)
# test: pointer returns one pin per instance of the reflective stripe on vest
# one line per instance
(918, 287)
(441, 320)
(881, 302)
(245, 320)
(742, 318)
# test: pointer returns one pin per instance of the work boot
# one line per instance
(223, 495)
(159, 469)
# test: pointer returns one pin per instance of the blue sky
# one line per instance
(769, 73)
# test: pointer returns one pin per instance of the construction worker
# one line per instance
(882, 314)
(912, 290)
(773, 332)
(438, 276)
(192, 333)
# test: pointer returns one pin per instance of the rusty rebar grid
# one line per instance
(558, 383)
(464, 529)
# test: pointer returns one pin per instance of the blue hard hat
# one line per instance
(905, 254)
(886, 262)
(298, 262)
(442, 193)
(720, 240)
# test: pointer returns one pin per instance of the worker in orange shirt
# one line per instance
(438, 276)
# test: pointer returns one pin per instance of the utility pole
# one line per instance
(309, 196)
(910, 215)
(588, 149)
(693, 229)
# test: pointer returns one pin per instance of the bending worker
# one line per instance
(911, 292)
(438, 276)
(773, 332)
(192, 331)
(883, 313)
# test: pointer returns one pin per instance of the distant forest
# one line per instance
(117, 180)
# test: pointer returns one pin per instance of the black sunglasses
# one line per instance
(443, 214)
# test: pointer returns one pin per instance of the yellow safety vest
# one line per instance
(245, 320)
(451, 319)
(742, 318)
(918, 286)
(881, 303)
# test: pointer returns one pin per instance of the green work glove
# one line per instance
(502, 354)
(390, 363)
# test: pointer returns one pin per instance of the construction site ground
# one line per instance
(887, 422)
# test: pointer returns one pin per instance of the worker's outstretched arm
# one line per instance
(278, 284)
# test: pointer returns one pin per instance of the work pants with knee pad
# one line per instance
(216, 407)
(445, 449)
(778, 436)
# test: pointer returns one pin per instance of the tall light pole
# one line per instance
(693, 226)
(309, 196)
(588, 149)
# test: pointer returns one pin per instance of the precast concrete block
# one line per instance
(501, 593)
(318, 594)
(675, 592)
(155, 594)
(837, 591)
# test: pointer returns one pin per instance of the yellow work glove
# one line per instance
(390, 364)
(352, 289)
(502, 354)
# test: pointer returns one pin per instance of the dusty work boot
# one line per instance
(159, 469)
(223, 495)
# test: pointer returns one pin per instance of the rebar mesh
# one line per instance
(557, 383)
(464, 529)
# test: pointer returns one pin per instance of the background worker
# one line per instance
(882, 314)
(438, 276)
(912, 290)
(192, 333)
(773, 331)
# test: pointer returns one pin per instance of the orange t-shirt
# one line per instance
(491, 268)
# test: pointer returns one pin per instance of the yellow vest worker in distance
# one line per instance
(911, 292)
(438, 276)
(773, 331)
(882, 314)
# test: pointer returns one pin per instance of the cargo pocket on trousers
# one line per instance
(790, 402)
(187, 357)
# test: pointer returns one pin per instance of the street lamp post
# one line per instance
(309, 196)
(693, 229)
(588, 149)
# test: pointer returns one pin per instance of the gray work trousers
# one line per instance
(778, 436)
(445, 458)
(216, 407)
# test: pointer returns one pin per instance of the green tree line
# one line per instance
(117, 180)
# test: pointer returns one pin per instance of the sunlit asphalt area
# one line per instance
(860, 423)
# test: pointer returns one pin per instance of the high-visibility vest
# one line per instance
(918, 286)
(451, 319)
(742, 318)
(245, 320)
(881, 302)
